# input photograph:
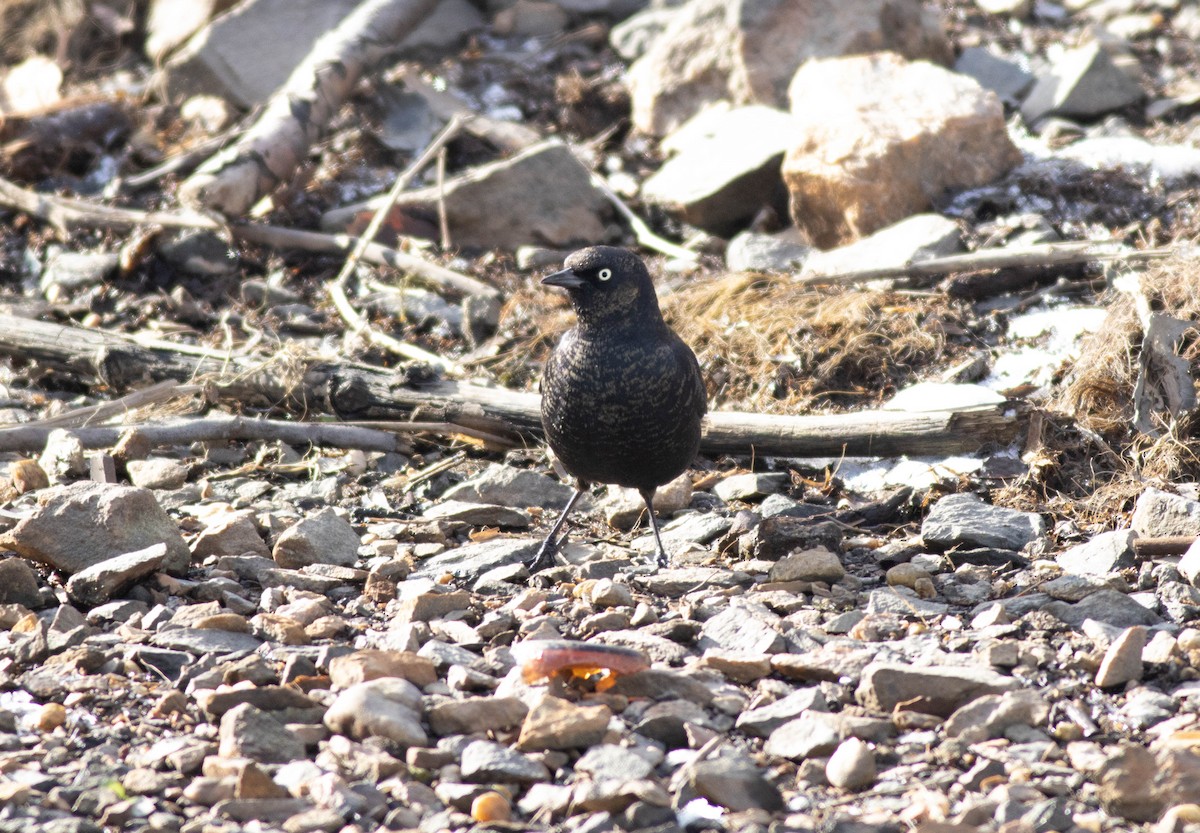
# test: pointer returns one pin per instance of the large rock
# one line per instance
(878, 138)
(725, 168)
(83, 524)
(746, 50)
(543, 195)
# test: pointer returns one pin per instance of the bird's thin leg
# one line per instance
(549, 549)
(648, 496)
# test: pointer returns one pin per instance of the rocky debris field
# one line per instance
(266, 498)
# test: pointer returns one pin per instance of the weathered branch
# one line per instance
(302, 109)
(1049, 254)
(215, 429)
(358, 392)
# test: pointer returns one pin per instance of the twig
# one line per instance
(193, 155)
(66, 213)
(643, 232)
(160, 392)
(433, 470)
(359, 325)
(402, 181)
(505, 135)
(1049, 254)
(443, 220)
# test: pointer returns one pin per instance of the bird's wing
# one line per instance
(694, 389)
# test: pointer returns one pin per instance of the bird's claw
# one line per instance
(545, 558)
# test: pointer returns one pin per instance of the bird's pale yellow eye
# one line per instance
(604, 274)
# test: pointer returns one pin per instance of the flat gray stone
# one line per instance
(471, 560)
(478, 514)
(809, 735)
(764, 720)
(484, 761)
(205, 641)
(510, 486)
(608, 760)
(1000, 75)
(76, 270)
(1109, 606)
(248, 732)
(97, 584)
(751, 485)
(903, 602)
(989, 716)
(388, 707)
(752, 251)
(919, 237)
(1083, 82)
(157, 473)
(725, 168)
(749, 628)
(809, 565)
(1103, 554)
(932, 690)
(964, 519)
(692, 528)
(1072, 588)
(736, 783)
(322, 538)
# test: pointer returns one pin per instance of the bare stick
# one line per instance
(645, 235)
(359, 325)
(214, 429)
(353, 391)
(443, 219)
(508, 136)
(301, 110)
(1049, 254)
(160, 392)
(66, 213)
(393, 194)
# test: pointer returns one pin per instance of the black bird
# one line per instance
(622, 396)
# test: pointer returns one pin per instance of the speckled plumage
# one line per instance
(622, 396)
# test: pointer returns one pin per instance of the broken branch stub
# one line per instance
(299, 112)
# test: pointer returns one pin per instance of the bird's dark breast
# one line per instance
(624, 412)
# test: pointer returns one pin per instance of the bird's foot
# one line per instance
(663, 561)
(546, 556)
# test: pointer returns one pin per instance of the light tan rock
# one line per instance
(746, 50)
(879, 137)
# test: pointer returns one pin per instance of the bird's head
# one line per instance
(608, 286)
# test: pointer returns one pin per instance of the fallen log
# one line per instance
(361, 392)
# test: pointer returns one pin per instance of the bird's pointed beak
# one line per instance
(567, 279)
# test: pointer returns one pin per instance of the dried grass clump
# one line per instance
(766, 343)
(1099, 391)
